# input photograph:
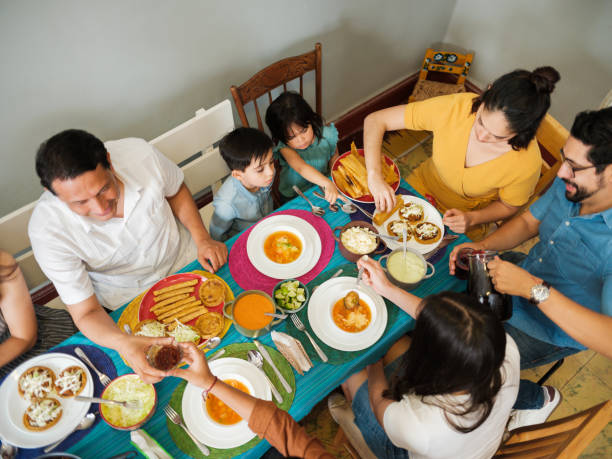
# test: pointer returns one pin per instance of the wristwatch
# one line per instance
(540, 293)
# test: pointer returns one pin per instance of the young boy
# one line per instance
(244, 198)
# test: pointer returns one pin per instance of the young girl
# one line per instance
(453, 389)
(307, 148)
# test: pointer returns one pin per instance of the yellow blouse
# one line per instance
(511, 177)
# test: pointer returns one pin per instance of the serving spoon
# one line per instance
(85, 423)
(316, 210)
(256, 359)
(346, 207)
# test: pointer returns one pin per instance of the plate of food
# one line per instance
(350, 176)
(423, 223)
(347, 317)
(211, 421)
(38, 397)
(178, 303)
(283, 246)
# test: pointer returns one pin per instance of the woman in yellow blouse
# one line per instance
(485, 162)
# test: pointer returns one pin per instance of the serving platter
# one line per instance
(11, 422)
(431, 215)
(197, 418)
(367, 198)
(320, 315)
(304, 231)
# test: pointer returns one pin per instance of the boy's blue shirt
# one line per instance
(236, 208)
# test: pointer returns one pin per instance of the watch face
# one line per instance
(540, 293)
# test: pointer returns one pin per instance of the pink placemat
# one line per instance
(245, 274)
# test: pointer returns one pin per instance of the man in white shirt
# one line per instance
(106, 229)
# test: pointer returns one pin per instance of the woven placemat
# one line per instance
(238, 350)
(248, 277)
(335, 356)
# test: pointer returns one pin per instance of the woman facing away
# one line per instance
(451, 392)
(485, 162)
(25, 331)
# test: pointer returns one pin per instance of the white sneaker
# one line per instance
(523, 418)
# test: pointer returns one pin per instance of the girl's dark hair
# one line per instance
(243, 145)
(289, 108)
(594, 128)
(458, 345)
(69, 154)
(524, 98)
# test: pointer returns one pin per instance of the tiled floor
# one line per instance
(584, 379)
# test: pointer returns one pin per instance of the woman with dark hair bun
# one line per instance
(485, 162)
(451, 392)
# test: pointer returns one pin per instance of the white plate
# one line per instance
(201, 424)
(320, 315)
(11, 426)
(431, 215)
(311, 246)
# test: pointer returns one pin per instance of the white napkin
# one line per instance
(147, 445)
(293, 351)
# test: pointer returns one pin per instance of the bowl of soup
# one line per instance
(407, 271)
(283, 247)
(217, 410)
(248, 312)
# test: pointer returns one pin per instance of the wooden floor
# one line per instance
(584, 380)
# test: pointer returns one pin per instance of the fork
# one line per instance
(316, 210)
(129, 404)
(300, 326)
(105, 380)
(175, 418)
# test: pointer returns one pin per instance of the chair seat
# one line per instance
(424, 89)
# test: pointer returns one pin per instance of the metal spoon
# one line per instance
(127, 329)
(85, 423)
(256, 359)
(276, 316)
(346, 206)
(316, 210)
(212, 343)
(8, 451)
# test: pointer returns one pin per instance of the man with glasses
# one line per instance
(562, 290)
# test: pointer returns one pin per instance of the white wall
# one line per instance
(574, 36)
(139, 67)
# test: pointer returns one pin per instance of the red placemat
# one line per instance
(245, 274)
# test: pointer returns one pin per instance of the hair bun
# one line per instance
(544, 79)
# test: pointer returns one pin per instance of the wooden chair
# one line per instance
(564, 438)
(441, 62)
(275, 75)
(191, 145)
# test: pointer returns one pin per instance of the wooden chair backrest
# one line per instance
(275, 75)
(446, 62)
(191, 145)
(562, 439)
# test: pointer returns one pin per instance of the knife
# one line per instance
(216, 356)
(268, 359)
(445, 241)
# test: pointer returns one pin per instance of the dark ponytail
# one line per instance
(524, 98)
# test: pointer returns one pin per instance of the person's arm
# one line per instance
(509, 235)
(460, 221)
(297, 163)
(99, 327)
(377, 384)
(374, 127)
(374, 276)
(211, 254)
(592, 329)
(270, 422)
(18, 311)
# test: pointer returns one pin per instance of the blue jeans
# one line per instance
(373, 433)
(533, 354)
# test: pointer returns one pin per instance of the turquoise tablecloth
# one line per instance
(104, 442)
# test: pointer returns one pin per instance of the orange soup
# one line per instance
(249, 311)
(352, 320)
(282, 247)
(219, 411)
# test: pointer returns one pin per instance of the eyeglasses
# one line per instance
(574, 169)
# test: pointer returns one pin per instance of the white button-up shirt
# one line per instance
(119, 258)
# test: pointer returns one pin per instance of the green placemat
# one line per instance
(238, 350)
(335, 356)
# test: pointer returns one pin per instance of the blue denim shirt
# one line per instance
(236, 208)
(574, 255)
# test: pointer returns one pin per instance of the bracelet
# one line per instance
(206, 391)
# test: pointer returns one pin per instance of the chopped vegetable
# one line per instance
(184, 333)
(290, 295)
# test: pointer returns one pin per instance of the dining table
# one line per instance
(102, 441)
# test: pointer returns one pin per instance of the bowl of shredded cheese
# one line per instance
(358, 238)
(125, 388)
